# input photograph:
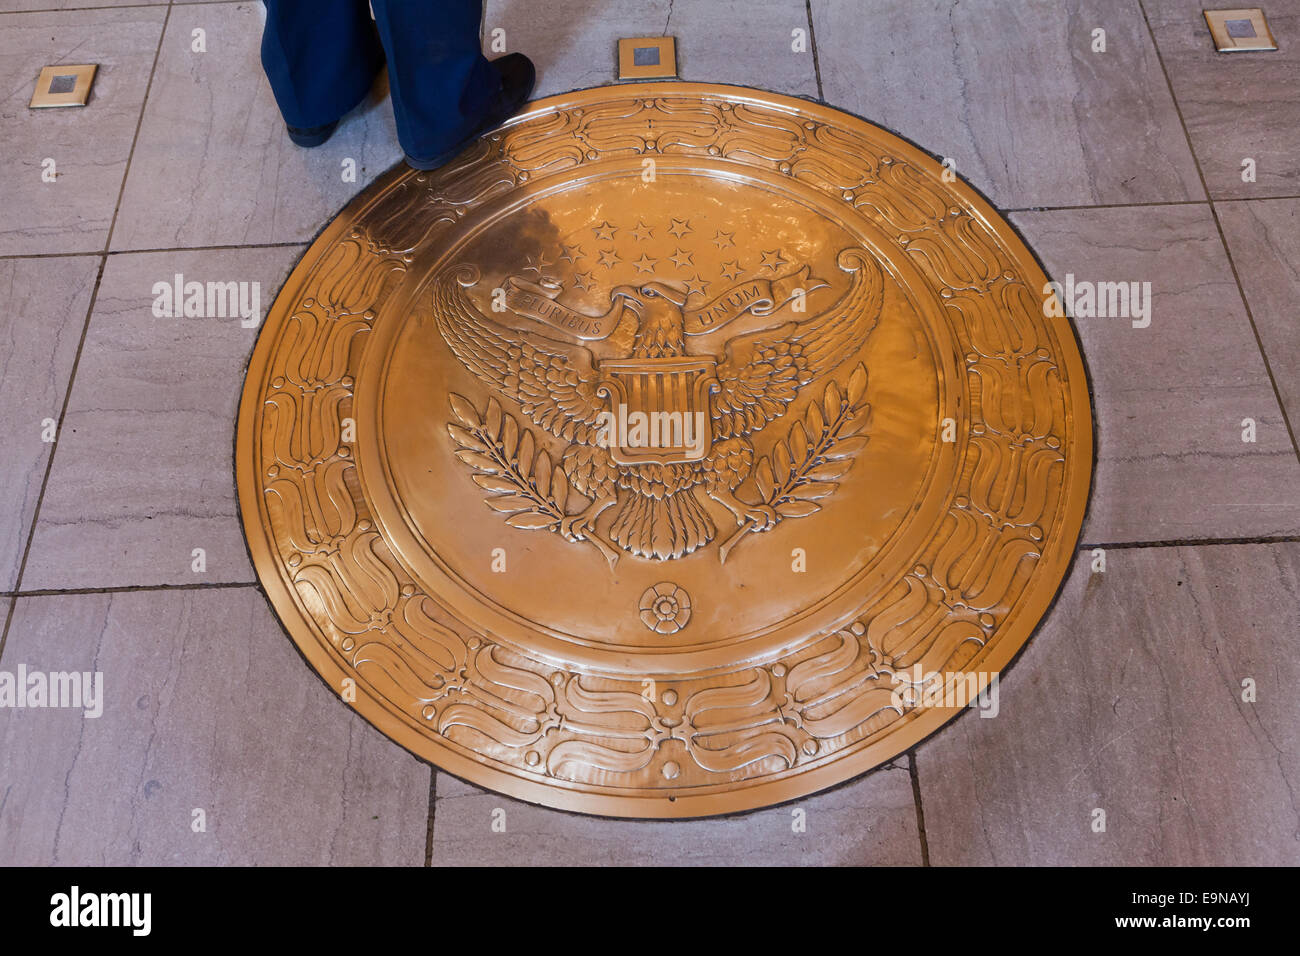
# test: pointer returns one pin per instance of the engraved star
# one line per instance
(644, 264)
(731, 269)
(724, 239)
(695, 285)
(679, 228)
(642, 232)
(773, 260)
(572, 253)
(608, 258)
(536, 264)
(680, 258)
(605, 231)
(583, 280)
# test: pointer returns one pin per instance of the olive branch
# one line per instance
(815, 454)
(520, 479)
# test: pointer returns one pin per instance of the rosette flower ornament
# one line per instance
(665, 608)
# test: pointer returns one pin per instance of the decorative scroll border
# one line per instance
(610, 744)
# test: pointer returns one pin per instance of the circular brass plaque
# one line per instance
(653, 457)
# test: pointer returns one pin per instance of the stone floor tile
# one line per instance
(89, 145)
(40, 327)
(868, 821)
(1170, 399)
(206, 705)
(1264, 242)
(1014, 93)
(1129, 701)
(214, 165)
(1237, 106)
(745, 42)
(142, 475)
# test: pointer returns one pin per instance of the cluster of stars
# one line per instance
(587, 262)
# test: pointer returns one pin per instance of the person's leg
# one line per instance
(441, 84)
(320, 56)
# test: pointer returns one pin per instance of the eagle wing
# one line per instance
(762, 372)
(554, 383)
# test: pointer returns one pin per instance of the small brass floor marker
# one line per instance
(63, 86)
(1242, 30)
(647, 58)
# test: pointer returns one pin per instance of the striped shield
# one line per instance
(660, 408)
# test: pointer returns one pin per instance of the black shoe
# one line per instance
(312, 136)
(518, 76)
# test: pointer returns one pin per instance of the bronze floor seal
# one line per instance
(645, 460)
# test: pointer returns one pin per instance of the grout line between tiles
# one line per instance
(133, 588)
(135, 252)
(1259, 341)
(1142, 205)
(1223, 239)
(135, 139)
(1190, 542)
(920, 812)
(286, 244)
(433, 800)
(812, 45)
(81, 344)
(49, 462)
(1108, 205)
(289, 243)
(126, 6)
(1252, 198)
(52, 255)
(116, 6)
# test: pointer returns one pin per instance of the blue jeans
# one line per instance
(321, 57)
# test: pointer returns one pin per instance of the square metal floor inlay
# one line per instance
(644, 58)
(63, 86)
(1240, 30)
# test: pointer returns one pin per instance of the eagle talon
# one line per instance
(576, 527)
(762, 517)
(582, 526)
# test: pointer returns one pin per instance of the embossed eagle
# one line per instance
(562, 388)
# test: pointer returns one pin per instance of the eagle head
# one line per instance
(660, 321)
